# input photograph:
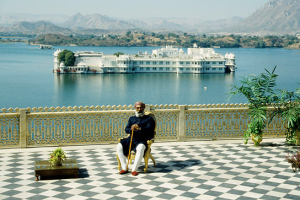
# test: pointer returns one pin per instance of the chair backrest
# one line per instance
(153, 117)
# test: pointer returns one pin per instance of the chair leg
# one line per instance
(146, 159)
(119, 163)
(153, 160)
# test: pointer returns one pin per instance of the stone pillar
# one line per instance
(181, 124)
(23, 128)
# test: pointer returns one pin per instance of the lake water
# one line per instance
(26, 79)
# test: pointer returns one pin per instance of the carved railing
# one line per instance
(33, 127)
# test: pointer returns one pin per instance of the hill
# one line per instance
(98, 24)
(40, 27)
(7, 19)
(96, 21)
(275, 17)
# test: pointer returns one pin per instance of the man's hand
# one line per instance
(135, 127)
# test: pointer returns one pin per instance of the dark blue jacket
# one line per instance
(147, 125)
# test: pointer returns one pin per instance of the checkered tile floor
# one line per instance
(190, 170)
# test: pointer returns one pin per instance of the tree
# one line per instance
(67, 57)
(260, 44)
(144, 43)
(161, 36)
(178, 41)
(118, 54)
(184, 34)
(173, 35)
(61, 56)
(128, 33)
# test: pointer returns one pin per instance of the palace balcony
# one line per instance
(36, 127)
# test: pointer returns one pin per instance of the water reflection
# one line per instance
(26, 79)
(120, 89)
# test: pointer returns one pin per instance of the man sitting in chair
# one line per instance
(143, 129)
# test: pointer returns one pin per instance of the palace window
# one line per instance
(174, 68)
(181, 69)
(161, 62)
(188, 63)
(167, 63)
(188, 69)
(213, 68)
(207, 62)
(220, 68)
(134, 62)
(167, 68)
(174, 63)
(141, 62)
(213, 63)
(161, 68)
(154, 68)
(207, 68)
(148, 68)
(148, 63)
(221, 63)
(154, 62)
(181, 63)
(141, 68)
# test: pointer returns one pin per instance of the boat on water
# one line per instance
(42, 46)
(164, 60)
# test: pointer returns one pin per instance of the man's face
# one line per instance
(139, 109)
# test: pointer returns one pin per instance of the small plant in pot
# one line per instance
(294, 159)
(259, 92)
(57, 156)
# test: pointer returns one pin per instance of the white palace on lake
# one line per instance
(169, 59)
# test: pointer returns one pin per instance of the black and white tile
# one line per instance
(190, 170)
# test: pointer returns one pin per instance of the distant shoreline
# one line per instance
(171, 39)
(156, 40)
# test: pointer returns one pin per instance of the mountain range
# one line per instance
(275, 17)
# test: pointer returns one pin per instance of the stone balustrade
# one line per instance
(59, 126)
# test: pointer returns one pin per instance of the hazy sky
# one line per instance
(200, 9)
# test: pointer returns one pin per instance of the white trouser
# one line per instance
(138, 157)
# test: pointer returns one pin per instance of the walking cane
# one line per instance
(129, 149)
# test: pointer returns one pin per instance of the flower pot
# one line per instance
(256, 141)
(58, 162)
(297, 135)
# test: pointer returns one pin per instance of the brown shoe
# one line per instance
(123, 172)
(134, 173)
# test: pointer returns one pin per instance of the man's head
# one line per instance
(139, 109)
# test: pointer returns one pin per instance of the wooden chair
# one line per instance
(147, 153)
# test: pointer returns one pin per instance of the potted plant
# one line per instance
(288, 108)
(259, 92)
(294, 159)
(57, 156)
